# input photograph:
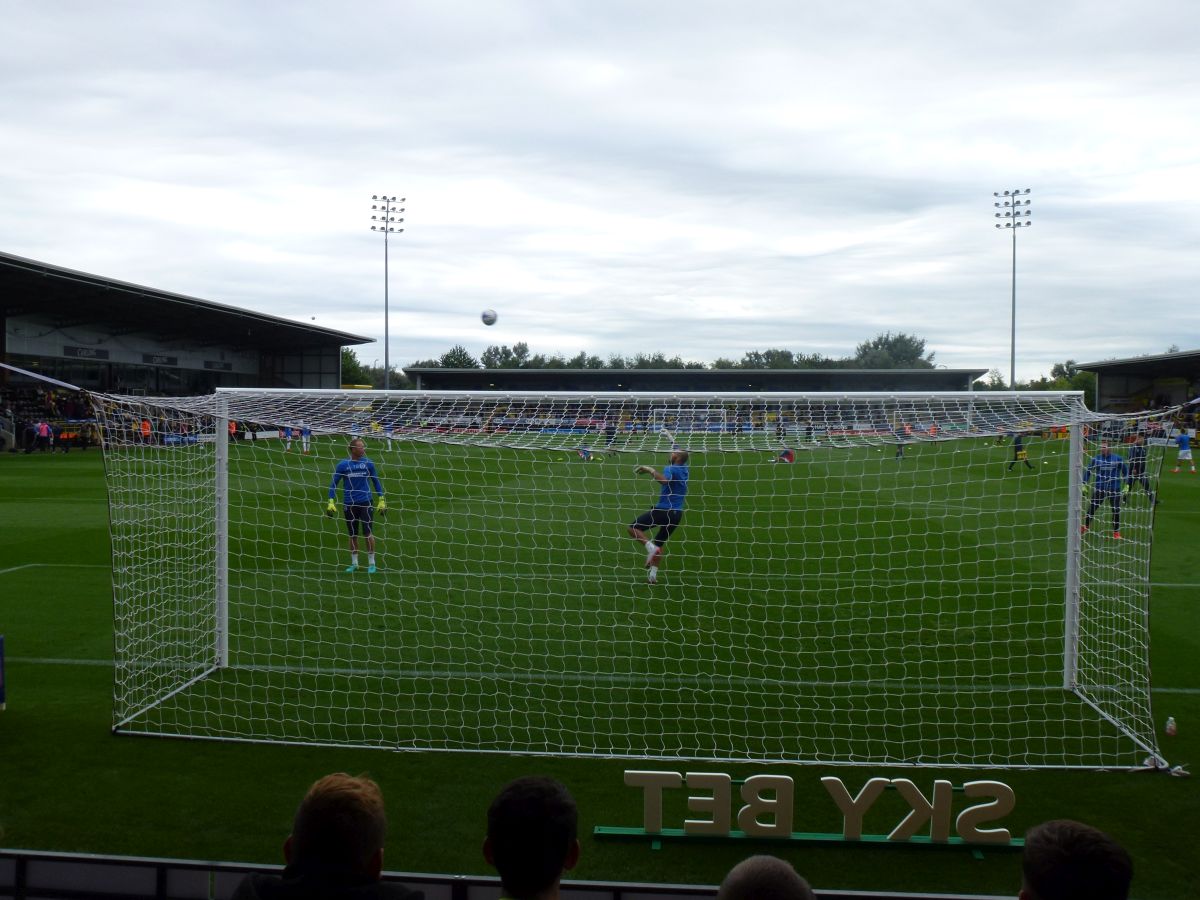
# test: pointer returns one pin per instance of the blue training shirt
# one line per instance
(358, 476)
(675, 489)
(1109, 472)
(1184, 440)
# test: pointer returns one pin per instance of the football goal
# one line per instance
(887, 579)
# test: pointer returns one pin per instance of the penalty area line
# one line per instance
(594, 678)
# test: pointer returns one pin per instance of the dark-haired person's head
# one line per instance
(532, 836)
(1066, 860)
(764, 878)
(340, 827)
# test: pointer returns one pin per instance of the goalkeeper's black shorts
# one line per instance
(359, 514)
(665, 520)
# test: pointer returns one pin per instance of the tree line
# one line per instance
(884, 351)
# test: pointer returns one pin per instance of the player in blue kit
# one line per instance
(666, 514)
(1105, 476)
(358, 476)
(1184, 441)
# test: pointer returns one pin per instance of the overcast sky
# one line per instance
(695, 178)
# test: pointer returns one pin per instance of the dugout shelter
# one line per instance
(689, 380)
(113, 336)
(1146, 382)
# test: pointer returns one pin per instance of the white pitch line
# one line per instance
(56, 566)
(596, 677)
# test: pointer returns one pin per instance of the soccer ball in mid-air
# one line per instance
(488, 316)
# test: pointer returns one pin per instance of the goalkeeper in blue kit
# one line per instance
(357, 475)
(1104, 478)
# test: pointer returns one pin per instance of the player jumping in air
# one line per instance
(1020, 454)
(1184, 442)
(358, 477)
(1106, 475)
(666, 514)
(1137, 468)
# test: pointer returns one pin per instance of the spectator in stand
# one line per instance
(1066, 860)
(764, 878)
(335, 850)
(532, 837)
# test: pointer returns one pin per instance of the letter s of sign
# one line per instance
(1003, 801)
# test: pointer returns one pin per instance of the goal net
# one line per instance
(856, 578)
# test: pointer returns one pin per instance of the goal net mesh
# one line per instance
(871, 579)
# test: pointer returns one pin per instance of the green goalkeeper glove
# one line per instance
(330, 508)
(1087, 489)
(381, 508)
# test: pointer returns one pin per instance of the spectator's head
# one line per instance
(340, 826)
(531, 836)
(764, 878)
(1067, 860)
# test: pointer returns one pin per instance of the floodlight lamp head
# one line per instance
(374, 197)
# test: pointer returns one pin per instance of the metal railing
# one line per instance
(85, 876)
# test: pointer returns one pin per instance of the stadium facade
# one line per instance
(1146, 382)
(113, 336)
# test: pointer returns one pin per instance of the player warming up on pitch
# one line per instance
(358, 477)
(666, 513)
(1105, 477)
(1137, 468)
(1020, 454)
(1183, 441)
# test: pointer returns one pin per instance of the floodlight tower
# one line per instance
(1015, 213)
(387, 219)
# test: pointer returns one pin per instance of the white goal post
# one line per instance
(884, 579)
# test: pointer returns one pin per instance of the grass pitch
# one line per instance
(60, 764)
(854, 606)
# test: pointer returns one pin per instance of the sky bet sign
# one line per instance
(762, 807)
